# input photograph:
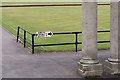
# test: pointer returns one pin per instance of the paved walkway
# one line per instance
(18, 62)
(0, 52)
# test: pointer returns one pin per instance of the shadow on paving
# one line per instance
(18, 62)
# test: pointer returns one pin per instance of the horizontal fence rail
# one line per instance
(41, 5)
(33, 45)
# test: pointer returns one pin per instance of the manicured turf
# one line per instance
(55, 19)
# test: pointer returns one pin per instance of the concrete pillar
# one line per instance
(89, 64)
(114, 59)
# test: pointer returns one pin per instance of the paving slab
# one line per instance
(18, 62)
(0, 53)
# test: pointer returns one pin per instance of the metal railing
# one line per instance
(24, 38)
(45, 5)
(33, 45)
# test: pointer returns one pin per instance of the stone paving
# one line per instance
(0, 52)
(18, 62)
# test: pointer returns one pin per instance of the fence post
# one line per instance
(32, 43)
(18, 33)
(76, 42)
(24, 38)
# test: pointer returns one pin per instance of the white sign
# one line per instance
(44, 34)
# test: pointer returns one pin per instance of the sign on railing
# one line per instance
(44, 34)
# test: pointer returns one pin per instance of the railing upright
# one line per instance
(33, 43)
(24, 38)
(76, 42)
(18, 33)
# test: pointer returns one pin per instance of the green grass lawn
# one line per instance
(55, 19)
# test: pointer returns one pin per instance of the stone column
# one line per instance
(89, 64)
(114, 59)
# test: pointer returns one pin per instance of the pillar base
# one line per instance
(89, 61)
(90, 69)
(113, 67)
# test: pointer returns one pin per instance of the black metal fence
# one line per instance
(44, 5)
(33, 45)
